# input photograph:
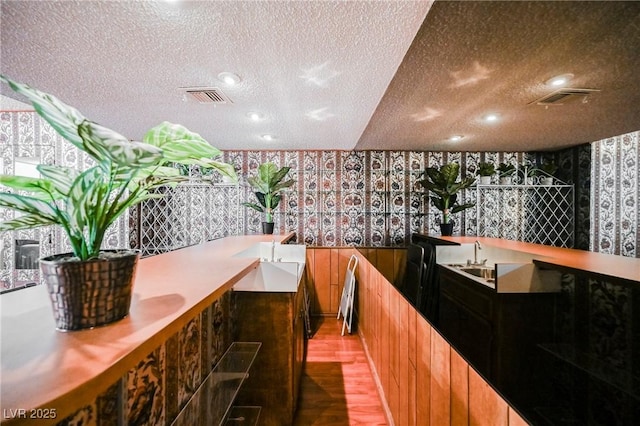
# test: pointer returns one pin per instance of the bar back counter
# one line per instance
(140, 370)
(489, 357)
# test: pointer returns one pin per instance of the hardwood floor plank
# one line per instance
(337, 387)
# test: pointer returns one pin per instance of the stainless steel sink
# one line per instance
(480, 271)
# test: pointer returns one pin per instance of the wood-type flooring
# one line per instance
(337, 385)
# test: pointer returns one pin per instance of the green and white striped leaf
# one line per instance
(62, 117)
(38, 186)
(28, 205)
(178, 150)
(106, 145)
(61, 177)
(27, 221)
(87, 200)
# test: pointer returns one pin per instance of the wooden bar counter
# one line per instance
(596, 265)
(47, 374)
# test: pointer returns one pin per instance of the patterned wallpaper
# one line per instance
(615, 194)
(362, 198)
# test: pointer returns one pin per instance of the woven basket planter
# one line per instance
(92, 293)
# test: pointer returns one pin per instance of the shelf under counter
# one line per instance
(212, 402)
(170, 291)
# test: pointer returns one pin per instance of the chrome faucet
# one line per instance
(476, 247)
(273, 249)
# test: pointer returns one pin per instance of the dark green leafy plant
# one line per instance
(486, 169)
(85, 203)
(442, 184)
(549, 168)
(268, 184)
(506, 169)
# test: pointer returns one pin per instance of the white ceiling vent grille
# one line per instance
(564, 95)
(207, 95)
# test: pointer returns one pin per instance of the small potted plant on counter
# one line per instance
(485, 171)
(549, 170)
(267, 184)
(506, 172)
(441, 182)
(91, 286)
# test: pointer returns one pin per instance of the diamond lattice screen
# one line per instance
(188, 214)
(540, 214)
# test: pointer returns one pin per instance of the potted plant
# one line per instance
(549, 170)
(441, 182)
(506, 173)
(91, 286)
(485, 171)
(268, 184)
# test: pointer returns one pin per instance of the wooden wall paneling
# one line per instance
(515, 419)
(486, 407)
(383, 336)
(364, 300)
(335, 299)
(322, 281)
(309, 272)
(440, 380)
(412, 317)
(344, 254)
(403, 362)
(362, 295)
(386, 263)
(335, 280)
(459, 390)
(411, 364)
(394, 353)
(399, 263)
(423, 372)
(377, 312)
(372, 256)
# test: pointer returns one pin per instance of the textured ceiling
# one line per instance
(316, 70)
(473, 58)
(336, 74)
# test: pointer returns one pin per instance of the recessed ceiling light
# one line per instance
(559, 80)
(255, 116)
(456, 138)
(490, 118)
(268, 137)
(229, 78)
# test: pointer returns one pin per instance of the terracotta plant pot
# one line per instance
(92, 293)
(267, 227)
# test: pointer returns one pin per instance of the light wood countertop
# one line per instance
(45, 368)
(617, 269)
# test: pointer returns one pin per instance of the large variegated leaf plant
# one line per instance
(267, 184)
(84, 203)
(443, 184)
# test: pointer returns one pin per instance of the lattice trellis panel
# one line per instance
(540, 214)
(188, 214)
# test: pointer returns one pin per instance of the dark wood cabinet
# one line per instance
(497, 333)
(277, 320)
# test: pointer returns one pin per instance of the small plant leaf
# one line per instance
(28, 205)
(63, 118)
(106, 146)
(26, 221)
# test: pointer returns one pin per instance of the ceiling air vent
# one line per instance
(207, 95)
(565, 95)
